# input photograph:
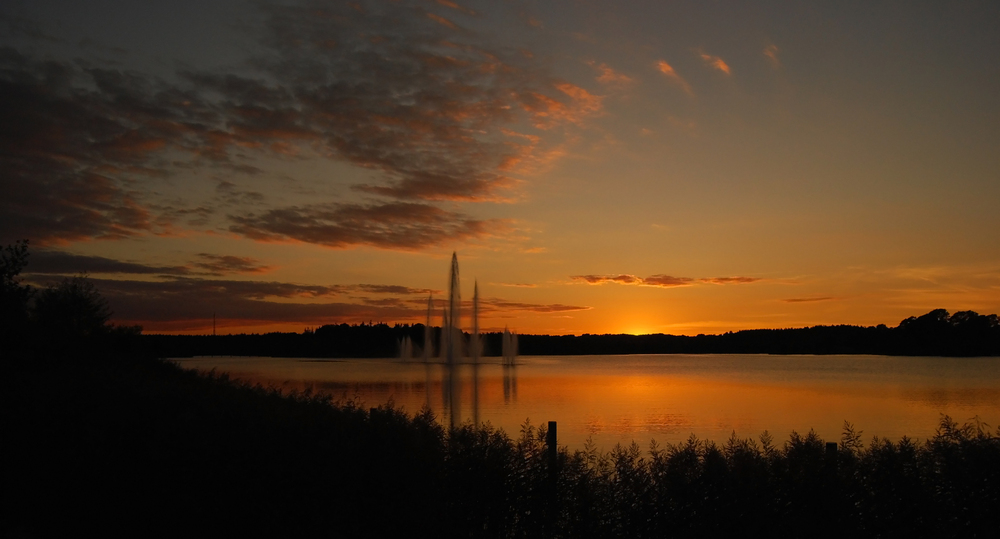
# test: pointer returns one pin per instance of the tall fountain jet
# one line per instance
(405, 348)
(454, 313)
(508, 346)
(451, 333)
(428, 350)
(474, 351)
(475, 347)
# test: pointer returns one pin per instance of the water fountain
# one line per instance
(453, 348)
(406, 348)
(508, 346)
(475, 346)
(428, 350)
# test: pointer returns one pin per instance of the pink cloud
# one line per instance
(771, 52)
(715, 62)
(672, 75)
(607, 75)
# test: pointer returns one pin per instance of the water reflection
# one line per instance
(452, 393)
(667, 398)
(455, 377)
(509, 383)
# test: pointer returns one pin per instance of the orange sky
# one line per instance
(646, 167)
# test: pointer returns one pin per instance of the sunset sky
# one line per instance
(599, 167)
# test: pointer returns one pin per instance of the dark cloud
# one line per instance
(730, 280)
(225, 264)
(665, 281)
(384, 302)
(57, 262)
(392, 88)
(61, 263)
(436, 111)
(229, 193)
(215, 289)
(185, 303)
(394, 289)
(190, 304)
(601, 279)
(400, 225)
(495, 304)
(73, 140)
(20, 26)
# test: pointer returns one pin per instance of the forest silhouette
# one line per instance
(936, 333)
(101, 436)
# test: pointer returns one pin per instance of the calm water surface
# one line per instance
(614, 399)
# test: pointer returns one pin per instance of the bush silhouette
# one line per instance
(74, 308)
(14, 297)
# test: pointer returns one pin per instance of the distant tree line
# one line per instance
(936, 333)
(335, 340)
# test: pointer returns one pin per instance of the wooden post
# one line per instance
(552, 450)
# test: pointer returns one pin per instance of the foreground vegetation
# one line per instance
(127, 446)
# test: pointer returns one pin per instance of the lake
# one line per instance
(618, 399)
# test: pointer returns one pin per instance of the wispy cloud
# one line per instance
(666, 281)
(714, 62)
(809, 300)
(394, 289)
(45, 262)
(601, 279)
(729, 280)
(771, 52)
(660, 280)
(453, 5)
(441, 20)
(547, 111)
(493, 305)
(226, 264)
(672, 75)
(62, 263)
(607, 75)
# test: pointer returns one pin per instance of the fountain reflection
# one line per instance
(466, 388)
(509, 384)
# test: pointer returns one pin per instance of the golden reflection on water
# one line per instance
(617, 399)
